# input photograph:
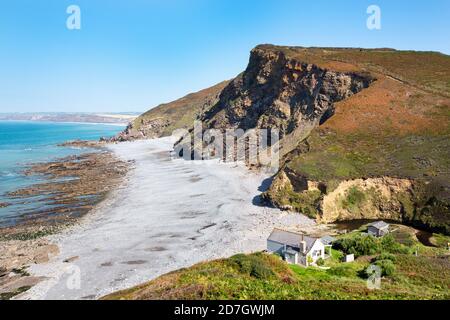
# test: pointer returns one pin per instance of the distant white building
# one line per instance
(297, 248)
(378, 229)
(349, 258)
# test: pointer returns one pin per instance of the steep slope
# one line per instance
(396, 130)
(278, 91)
(163, 119)
(365, 132)
(349, 114)
(264, 277)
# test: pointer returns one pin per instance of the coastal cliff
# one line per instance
(382, 155)
(353, 123)
(277, 91)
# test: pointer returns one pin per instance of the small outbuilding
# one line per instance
(349, 258)
(378, 228)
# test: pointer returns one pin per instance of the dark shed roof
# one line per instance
(379, 224)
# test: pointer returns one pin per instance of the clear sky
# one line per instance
(131, 55)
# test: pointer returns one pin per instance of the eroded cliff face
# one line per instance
(415, 203)
(296, 90)
(364, 161)
(284, 93)
(372, 198)
(276, 92)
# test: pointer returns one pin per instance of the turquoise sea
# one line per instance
(25, 142)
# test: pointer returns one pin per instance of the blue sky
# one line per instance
(132, 55)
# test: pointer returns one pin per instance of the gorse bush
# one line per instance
(320, 262)
(367, 245)
(252, 265)
(384, 256)
(387, 267)
(260, 271)
(389, 244)
(359, 245)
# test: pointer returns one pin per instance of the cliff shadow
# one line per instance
(259, 200)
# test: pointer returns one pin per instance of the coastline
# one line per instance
(118, 124)
(70, 189)
(139, 232)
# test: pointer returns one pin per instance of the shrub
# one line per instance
(252, 265)
(387, 267)
(354, 199)
(320, 262)
(244, 264)
(389, 244)
(260, 271)
(384, 256)
(359, 245)
(337, 255)
(367, 245)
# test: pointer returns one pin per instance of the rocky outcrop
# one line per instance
(16, 256)
(277, 91)
(73, 186)
(143, 128)
(291, 191)
(295, 90)
(280, 92)
(372, 198)
(415, 203)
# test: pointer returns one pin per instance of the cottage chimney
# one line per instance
(303, 246)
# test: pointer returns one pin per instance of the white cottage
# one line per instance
(297, 248)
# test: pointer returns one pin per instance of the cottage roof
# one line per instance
(379, 224)
(291, 239)
(291, 252)
(327, 240)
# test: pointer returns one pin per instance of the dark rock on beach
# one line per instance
(73, 186)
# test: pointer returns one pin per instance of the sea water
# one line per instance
(26, 142)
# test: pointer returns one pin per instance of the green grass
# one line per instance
(441, 240)
(362, 155)
(354, 199)
(421, 277)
